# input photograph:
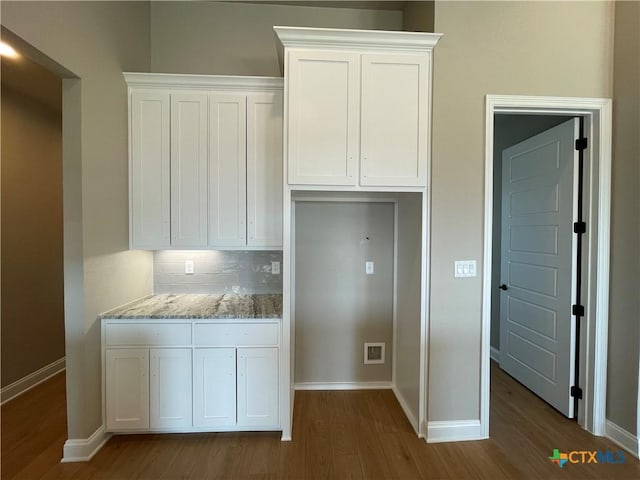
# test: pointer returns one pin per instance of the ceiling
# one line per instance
(367, 5)
(27, 77)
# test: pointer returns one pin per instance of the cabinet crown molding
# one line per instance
(231, 83)
(348, 39)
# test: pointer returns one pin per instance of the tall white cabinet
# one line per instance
(205, 161)
(357, 119)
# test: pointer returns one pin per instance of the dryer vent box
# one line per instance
(374, 353)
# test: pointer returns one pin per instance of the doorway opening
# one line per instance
(536, 257)
(512, 119)
(33, 342)
(68, 248)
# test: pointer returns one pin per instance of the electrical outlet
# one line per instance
(275, 268)
(369, 268)
(189, 267)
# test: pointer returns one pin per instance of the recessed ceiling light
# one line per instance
(7, 50)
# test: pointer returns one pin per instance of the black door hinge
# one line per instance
(576, 392)
(577, 310)
(580, 227)
(581, 143)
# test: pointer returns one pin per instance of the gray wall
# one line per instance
(338, 307)
(522, 48)
(418, 16)
(238, 39)
(508, 130)
(216, 272)
(624, 300)
(408, 320)
(91, 43)
(32, 272)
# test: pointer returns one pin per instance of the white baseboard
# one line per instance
(620, 436)
(495, 354)
(27, 383)
(343, 386)
(83, 449)
(454, 431)
(407, 411)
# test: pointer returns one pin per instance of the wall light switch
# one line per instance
(188, 267)
(369, 268)
(464, 268)
(275, 268)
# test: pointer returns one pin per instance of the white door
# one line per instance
(214, 387)
(127, 388)
(537, 342)
(394, 120)
(227, 170)
(150, 181)
(257, 387)
(170, 388)
(189, 170)
(264, 170)
(324, 108)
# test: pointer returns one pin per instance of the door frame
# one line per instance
(597, 113)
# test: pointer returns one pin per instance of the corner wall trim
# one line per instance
(83, 449)
(343, 386)
(27, 383)
(407, 411)
(620, 436)
(495, 355)
(454, 431)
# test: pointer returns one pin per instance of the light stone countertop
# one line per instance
(200, 306)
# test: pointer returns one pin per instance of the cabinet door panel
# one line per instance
(189, 170)
(394, 127)
(227, 170)
(171, 388)
(257, 387)
(127, 389)
(264, 170)
(214, 387)
(323, 99)
(150, 181)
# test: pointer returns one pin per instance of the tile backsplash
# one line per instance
(216, 272)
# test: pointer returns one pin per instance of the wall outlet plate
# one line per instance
(189, 268)
(275, 268)
(369, 267)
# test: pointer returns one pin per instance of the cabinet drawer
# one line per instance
(147, 334)
(233, 334)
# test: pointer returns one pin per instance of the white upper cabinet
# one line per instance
(227, 170)
(264, 169)
(358, 107)
(323, 117)
(393, 120)
(149, 170)
(189, 170)
(205, 161)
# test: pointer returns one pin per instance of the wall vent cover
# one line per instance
(374, 352)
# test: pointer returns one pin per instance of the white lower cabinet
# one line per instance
(214, 387)
(170, 392)
(127, 388)
(216, 377)
(257, 387)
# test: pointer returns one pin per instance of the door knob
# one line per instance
(503, 287)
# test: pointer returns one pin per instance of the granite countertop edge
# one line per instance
(199, 306)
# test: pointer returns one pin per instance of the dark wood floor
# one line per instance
(355, 434)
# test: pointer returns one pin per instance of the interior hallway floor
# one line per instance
(336, 435)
